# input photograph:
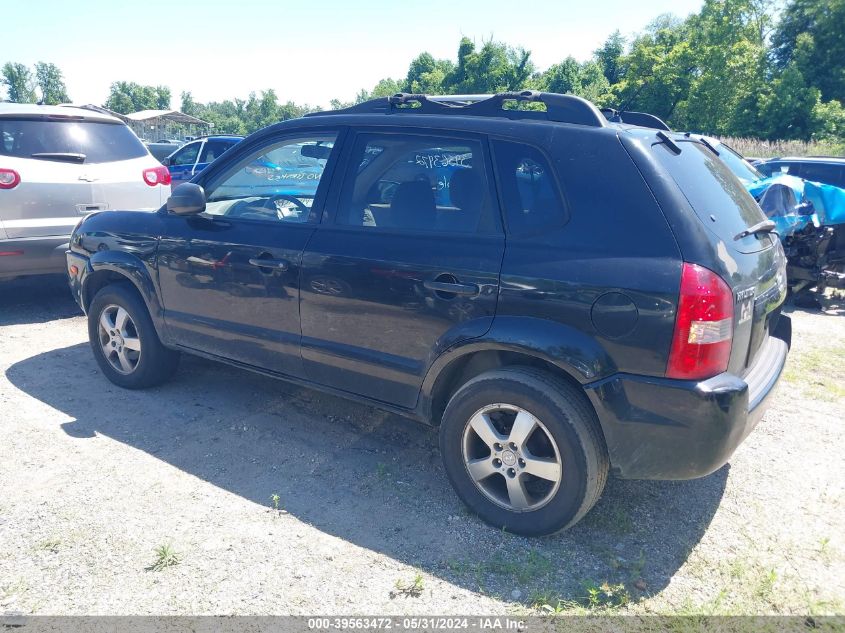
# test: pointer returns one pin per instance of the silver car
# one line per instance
(57, 164)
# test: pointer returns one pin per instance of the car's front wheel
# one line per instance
(523, 450)
(124, 341)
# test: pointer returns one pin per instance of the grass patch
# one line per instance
(412, 589)
(515, 570)
(51, 545)
(820, 372)
(166, 557)
(613, 519)
(595, 598)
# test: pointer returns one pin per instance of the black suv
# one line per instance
(563, 295)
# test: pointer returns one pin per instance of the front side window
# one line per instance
(424, 183)
(530, 194)
(187, 155)
(277, 183)
(213, 150)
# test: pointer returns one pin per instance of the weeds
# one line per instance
(275, 499)
(769, 149)
(413, 589)
(51, 545)
(166, 557)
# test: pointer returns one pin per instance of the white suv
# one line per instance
(57, 164)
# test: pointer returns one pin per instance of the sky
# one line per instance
(308, 52)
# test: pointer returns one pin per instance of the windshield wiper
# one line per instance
(69, 157)
(766, 226)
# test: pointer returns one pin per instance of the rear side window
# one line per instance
(717, 196)
(57, 139)
(821, 172)
(417, 182)
(530, 194)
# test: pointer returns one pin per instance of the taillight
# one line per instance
(9, 179)
(157, 176)
(701, 344)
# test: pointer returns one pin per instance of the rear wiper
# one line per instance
(65, 156)
(766, 226)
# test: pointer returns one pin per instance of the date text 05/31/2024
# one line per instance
(417, 623)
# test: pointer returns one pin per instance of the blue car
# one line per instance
(190, 159)
(808, 216)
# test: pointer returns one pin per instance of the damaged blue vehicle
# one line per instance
(808, 216)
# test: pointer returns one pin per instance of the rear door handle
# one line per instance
(466, 290)
(277, 264)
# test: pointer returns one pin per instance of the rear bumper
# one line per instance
(32, 256)
(659, 428)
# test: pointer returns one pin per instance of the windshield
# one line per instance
(97, 142)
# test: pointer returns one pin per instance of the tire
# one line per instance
(565, 441)
(119, 307)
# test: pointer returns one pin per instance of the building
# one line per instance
(156, 125)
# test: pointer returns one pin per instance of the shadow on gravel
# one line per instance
(373, 479)
(36, 300)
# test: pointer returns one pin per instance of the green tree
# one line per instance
(52, 84)
(19, 83)
(657, 72)
(188, 105)
(609, 55)
(811, 33)
(162, 98)
(787, 111)
(495, 67)
(729, 61)
(427, 75)
(386, 88)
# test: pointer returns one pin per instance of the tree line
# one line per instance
(735, 68)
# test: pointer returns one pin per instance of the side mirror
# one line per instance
(186, 199)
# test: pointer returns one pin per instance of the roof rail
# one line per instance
(559, 108)
(640, 119)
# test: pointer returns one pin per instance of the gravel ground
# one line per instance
(95, 479)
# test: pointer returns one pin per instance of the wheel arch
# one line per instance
(107, 267)
(558, 349)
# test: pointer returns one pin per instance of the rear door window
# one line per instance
(419, 183)
(61, 140)
(718, 197)
(530, 195)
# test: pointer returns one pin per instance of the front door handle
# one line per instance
(448, 287)
(273, 264)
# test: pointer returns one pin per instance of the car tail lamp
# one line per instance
(9, 179)
(701, 344)
(157, 176)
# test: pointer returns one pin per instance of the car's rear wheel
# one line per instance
(524, 450)
(124, 341)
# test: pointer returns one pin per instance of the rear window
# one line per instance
(97, 142)
(717, 196)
